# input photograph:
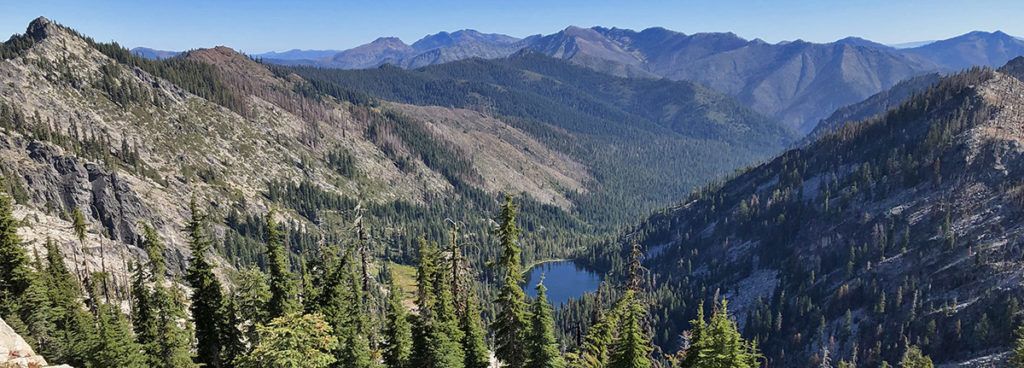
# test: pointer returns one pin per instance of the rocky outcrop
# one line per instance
(15, 352)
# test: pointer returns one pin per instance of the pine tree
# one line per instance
(114, 344)
(1017, 357)
(511, 323)
(250, 300)
(433, 347)
(632, 348)
(542, 347)
(340, 304)
(207, 300)
(71, 321)
(473, 344)
(15, 273)
(596, 343)
(282, 289)
(166, 343)
(913, 358)
(293, 341)
(717, 343)
(79, 226)
(143, 319)
(397, 331)
(233, 340)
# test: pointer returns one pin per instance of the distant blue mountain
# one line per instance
(296, 54)
(154, 54)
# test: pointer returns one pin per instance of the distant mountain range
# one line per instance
(798, 82)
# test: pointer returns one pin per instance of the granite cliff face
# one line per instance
(15, 352)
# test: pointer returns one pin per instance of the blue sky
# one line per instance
(259, 26)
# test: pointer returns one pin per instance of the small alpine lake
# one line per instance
(564, 280)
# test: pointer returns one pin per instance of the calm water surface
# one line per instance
(563, 279)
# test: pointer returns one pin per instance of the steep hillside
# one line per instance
(643, 140)
(898, 230)
(873, 106)
(127, 141)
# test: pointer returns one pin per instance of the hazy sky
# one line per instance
(258, 26)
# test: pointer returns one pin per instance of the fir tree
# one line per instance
(542, 348)
(293, 341)
(717, 343)
(15, 273)
(913, 358)
(433, 347)
(233, 340)
(632, 348)
(114, 344)
(339, 303)
(594, 351)
(70, 319)
(473, 332)
(282, 290)
(250, 300)
(207, 300)
(167, 344)
(397, 331)
(1017, 356)
(511, 323)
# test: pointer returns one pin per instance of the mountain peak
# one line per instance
(389, 41)
(40, 28)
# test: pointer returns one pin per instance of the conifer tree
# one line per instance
(79, 226)
(1017, 356)
(397, 330)
(632, 348)
(339, 303)
(433, 347)
(511, 323)
(473, 344)
(914, 358)
(15, 273)
(250, 301)
(114, 344)
(293, 341)
(207, 300)
(542, 347)
(717, 343)
(232, 339)
(282, 289)
(71, 320)
(167, 344)
(594, 351)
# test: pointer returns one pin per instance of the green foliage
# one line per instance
(913, 358)
(632, 347)
(623, 128)
(114, 344)
(397, 331)
(512, 321)
(159, 310)
(542, 348)
(251, 297)
(15, 273)
(717, 343)
(1017, 356)
(435, 343)
(473, 333)
(282, 285)
(293, 341)
(207, 298)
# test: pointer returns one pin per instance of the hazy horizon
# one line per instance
(259, 26)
